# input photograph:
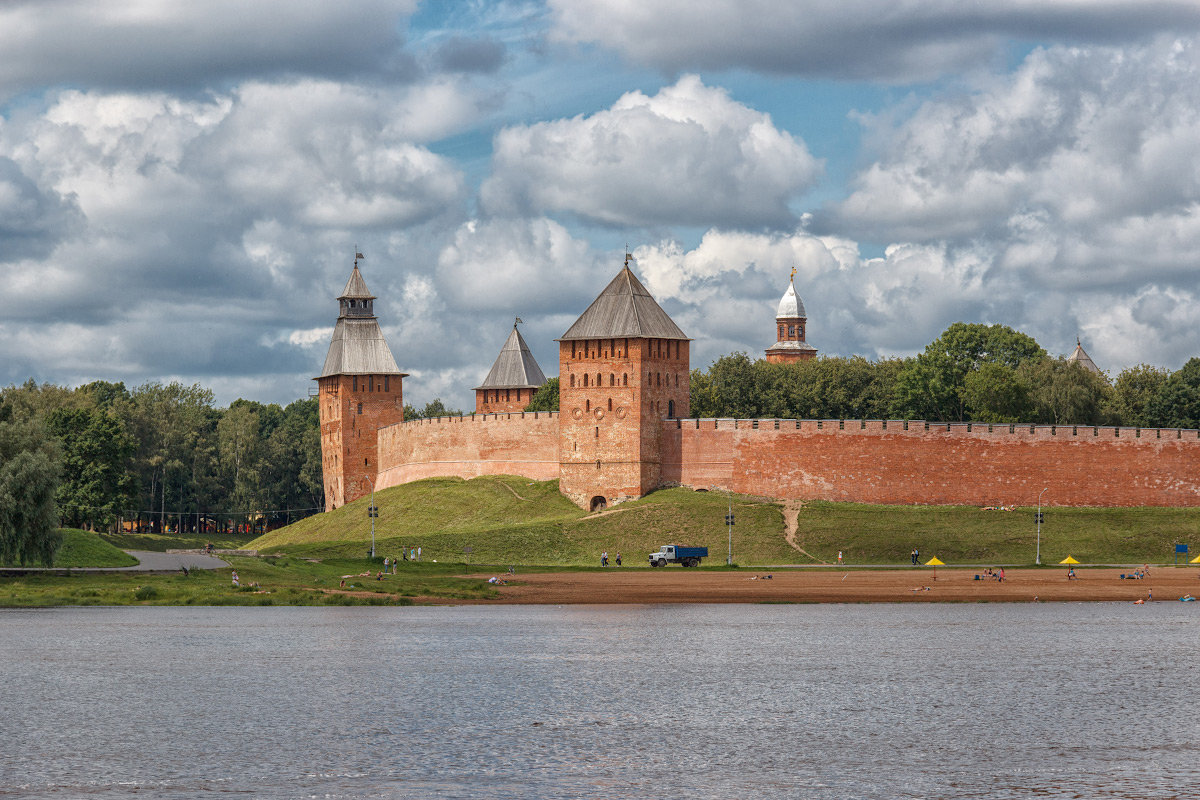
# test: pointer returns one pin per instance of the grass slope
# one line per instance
(87, 549)
(964, 534)
(510, 520)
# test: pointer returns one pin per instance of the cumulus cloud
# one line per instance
(688, 155)
(724, 292)
(861, 39)
(189, 233)
(1080, 169)
(155, 44)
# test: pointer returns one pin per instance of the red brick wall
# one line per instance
(877, 462)
(486, 401)
(352, 408)
(612, 394)
(466, 447)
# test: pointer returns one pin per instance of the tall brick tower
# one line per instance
(360, 389)
(623, 368)
(513, 379)
(790, 321)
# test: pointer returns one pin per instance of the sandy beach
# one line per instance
(845, 586)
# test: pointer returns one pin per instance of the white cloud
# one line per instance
(1081, 168)
(688, 155)
(878, 39)
(515, 266)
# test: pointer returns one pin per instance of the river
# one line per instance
(713, 701)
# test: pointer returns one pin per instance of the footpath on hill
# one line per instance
(148, 561)
(631, 586)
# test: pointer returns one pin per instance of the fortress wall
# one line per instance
(520, 443)
(876, 461)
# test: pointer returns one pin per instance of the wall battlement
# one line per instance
(918, 462)
(872, 426)
(508, 443)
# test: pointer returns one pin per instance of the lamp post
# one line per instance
(1037, 559)
(729, 522)
(372, 512)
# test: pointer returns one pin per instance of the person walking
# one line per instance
(387, 562)
(618, 558)
(839, 558)
(604, 559)
(418, 553)
(913, 556)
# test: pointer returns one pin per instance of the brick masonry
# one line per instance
(873, 461)
(522, 443)
(352, 409)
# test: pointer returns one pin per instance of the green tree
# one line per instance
(933, 385)
(29, 474)
(1177, 402)
(435, 408)
(96, 450)
(1065, 393)
(1133, 392)
(545, 398)
(998, 393)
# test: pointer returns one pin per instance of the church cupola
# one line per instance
(790, 322)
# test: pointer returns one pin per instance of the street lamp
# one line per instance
(729, 522)
(1038, 558)
(372, 512)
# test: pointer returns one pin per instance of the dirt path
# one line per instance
(514, 491)
(791, 510)
(677, 585)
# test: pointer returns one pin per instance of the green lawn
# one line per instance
(508, 520)
(964, 534)
(280, 581)
(87, 549)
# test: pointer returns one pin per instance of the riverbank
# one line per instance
(841, 586)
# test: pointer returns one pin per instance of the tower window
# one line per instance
(791, 331)
(355, 383)
(625, 379)
(572, 381)
(780, 331)
(360, 408)
(612, 379)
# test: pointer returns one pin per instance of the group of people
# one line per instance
(915, 556)
(604, 558)
(409, 554)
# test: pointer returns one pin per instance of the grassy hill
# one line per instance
(87, 549)
(511, 520)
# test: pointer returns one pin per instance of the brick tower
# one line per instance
(623, 368)
(513, 379)
(360, 389)
(790, 321)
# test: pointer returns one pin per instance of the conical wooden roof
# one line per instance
(356, 287)
(624, 309)
(1081, 357)
(358, 346)
(515, 367)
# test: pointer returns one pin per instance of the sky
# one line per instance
(183, 186)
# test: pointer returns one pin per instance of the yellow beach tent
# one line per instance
(1069, 560)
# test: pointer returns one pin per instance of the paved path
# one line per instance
(148, 561)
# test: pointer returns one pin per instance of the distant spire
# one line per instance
(628, 256)
(793, 273)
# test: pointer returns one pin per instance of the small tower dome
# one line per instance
(790, 322)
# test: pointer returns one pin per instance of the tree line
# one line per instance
(160, 456)
(971, 373)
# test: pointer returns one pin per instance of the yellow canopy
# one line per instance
(935, 562)
(1069, 560)
(1195, 560)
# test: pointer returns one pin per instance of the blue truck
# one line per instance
(674, 554)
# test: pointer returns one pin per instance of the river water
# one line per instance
(719, 701)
